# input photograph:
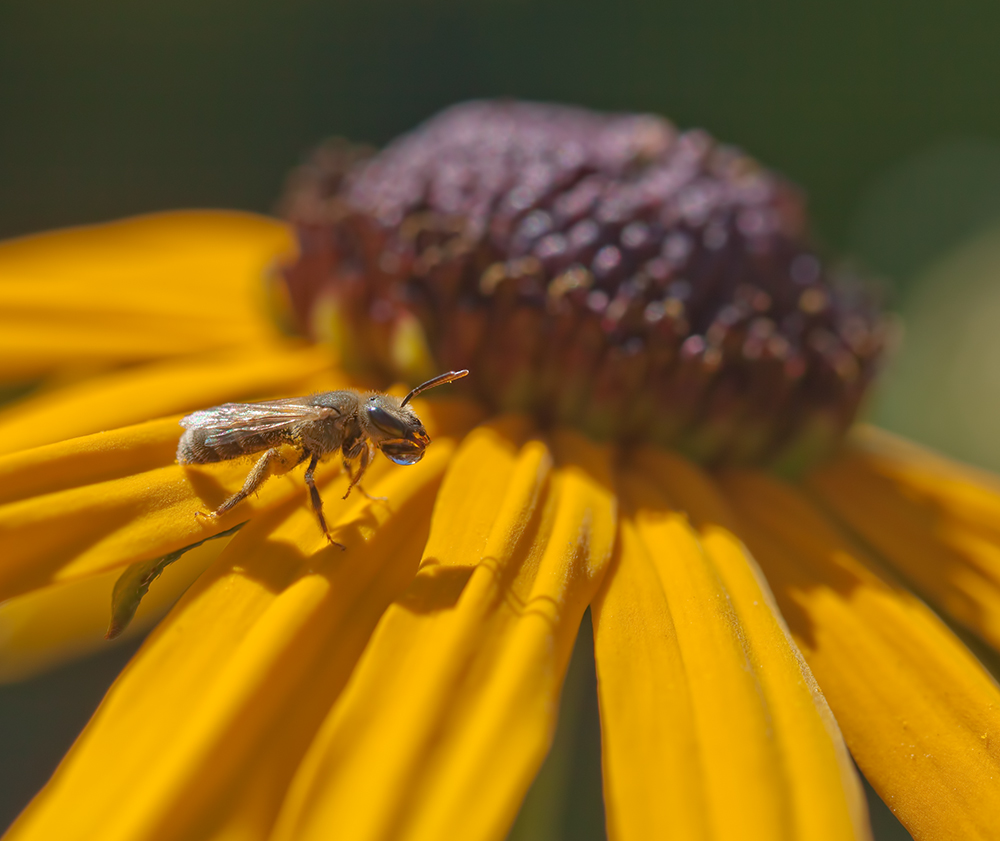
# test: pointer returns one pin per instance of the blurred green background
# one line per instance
(884, 111)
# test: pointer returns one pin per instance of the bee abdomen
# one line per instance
(192, 449)
(202, 446)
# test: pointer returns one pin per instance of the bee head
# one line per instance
(395, 429)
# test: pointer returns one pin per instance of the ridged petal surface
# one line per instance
(935, 521)
(137, 290)
(215, 711)
(123, 398)
(712, 725)
(918, 711)
(453, 704)
(95, 503)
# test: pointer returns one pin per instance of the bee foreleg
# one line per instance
(261, 471)
(363, 462)
(317, 501)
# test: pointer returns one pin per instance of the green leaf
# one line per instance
(134, 583)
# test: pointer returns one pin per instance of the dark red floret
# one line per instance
(602, 270)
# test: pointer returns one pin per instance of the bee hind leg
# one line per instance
(317, 500)
(261, 471)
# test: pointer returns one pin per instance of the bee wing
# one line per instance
(232, 422)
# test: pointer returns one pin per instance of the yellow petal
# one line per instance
(133, 584)
(49, 626)
(121, 398)
(140, 289)
(104, 501)
(452, 707)
(918, 711)
(88, 460)
(935, 521)
(711, 723)
(100, 502)
(215, 711)
(653, 784)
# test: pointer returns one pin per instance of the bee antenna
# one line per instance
(450, 377)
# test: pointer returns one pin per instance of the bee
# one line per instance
(357, 424)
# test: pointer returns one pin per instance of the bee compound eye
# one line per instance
(386, 422)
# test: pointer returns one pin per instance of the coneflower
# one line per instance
(657, 426)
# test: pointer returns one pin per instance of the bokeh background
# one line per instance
(884, 111)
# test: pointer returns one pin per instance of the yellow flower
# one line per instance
(408, 686)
